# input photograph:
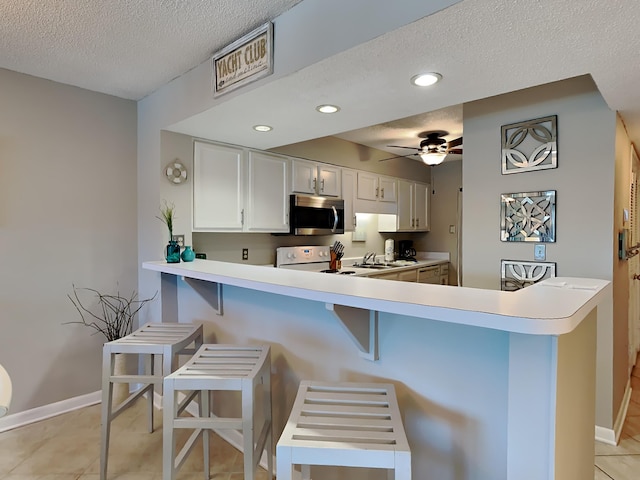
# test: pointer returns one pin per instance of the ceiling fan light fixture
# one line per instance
(328, 108)
(433, 158)
(262, 128)
(426, 79)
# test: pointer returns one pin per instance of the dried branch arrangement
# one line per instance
(114, 314)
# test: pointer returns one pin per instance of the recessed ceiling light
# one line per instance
(262, 128)
(426, 79)
(327, 108)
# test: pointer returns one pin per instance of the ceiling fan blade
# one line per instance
(456, 142)
(398, 156)
(400, 146)
(455, 151)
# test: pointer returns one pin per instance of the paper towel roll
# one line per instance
(5, 391)
(389, 255)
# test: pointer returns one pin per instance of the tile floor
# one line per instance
(623, 461)
(67, 448)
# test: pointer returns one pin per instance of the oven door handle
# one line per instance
(335, 218)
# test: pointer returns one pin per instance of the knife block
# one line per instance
(333, 263)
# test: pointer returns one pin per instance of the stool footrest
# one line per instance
(209, 423)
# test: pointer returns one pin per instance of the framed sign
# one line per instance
(244, 61)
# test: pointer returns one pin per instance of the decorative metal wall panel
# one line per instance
(530, 145)
(516, 275)
(528, 217)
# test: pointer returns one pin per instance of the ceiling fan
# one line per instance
(433, 148)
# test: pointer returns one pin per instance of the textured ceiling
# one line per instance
(126, 48)
(482, 48)
(129, 48)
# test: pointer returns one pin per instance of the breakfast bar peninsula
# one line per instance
(491, 385)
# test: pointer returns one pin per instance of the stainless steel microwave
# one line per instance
(316, 215)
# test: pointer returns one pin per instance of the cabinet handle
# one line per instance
(322, 185)
(413, 222)
(314, 184)
(417, 222)
(355, 221)
(382, 192)
(242, 217)
(377, 192)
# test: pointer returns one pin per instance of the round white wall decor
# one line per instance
(176, 173)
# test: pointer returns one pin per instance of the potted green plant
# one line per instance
(167, 214)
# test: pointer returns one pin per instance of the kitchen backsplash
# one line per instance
(262, 246)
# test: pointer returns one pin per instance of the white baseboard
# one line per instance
(47, 411)
(611, 436)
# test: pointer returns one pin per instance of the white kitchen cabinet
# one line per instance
(218, 187)
(385, 276)
(376, 188)
(315, 178)
(375, 193)
(408, 275)
(412, 214)
(267, 190)
(349, 180)
(235, 190)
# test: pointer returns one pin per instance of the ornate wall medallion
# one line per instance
(528, 217)
(516, 275)
(530, 145)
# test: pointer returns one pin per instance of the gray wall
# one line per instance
(67, 215)
(446, 182)
(584, 181)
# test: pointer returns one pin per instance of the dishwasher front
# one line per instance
(429, 274)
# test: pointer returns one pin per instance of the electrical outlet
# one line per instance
(245, 254)
(179, 239)
(540, 252)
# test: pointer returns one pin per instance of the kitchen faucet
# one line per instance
(369, 256)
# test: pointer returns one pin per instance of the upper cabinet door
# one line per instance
(367, 186)
(303, 177)
(405, 219)
(387, 191)
(421, 207)
(349, 196)
(329, 180)
(267, 193)
(218, 193)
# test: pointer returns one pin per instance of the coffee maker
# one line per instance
(406, 250)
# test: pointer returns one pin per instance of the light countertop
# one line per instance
(551, 307)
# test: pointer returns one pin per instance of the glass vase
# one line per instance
(173, 252)
(188, 255)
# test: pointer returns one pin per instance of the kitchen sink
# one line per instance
(374, 266)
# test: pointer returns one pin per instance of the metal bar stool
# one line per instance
(344, 424)
(219, 368)
(165, 339)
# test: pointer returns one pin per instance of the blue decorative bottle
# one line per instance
(188, 255)
(173, 252)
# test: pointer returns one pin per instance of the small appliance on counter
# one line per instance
(406, 250)
(389, 254)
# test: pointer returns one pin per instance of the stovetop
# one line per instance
(308, 259)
